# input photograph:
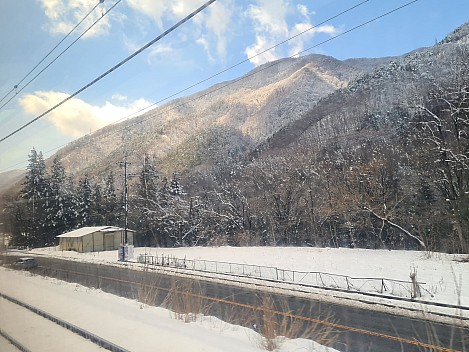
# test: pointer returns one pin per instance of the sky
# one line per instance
(226, 33)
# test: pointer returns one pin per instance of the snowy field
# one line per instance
(151, 328)
(125, 322)
(446, 276)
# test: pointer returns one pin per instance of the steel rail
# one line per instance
(327, 323)
(14, 342)
(101, 342)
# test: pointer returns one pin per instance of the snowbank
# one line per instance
(445, 276)
(130, 324)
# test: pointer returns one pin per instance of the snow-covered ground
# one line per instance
(446, 276)
(125, 322)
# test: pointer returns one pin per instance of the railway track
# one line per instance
(28, 328)
(359, 330)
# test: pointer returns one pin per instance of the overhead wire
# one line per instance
(239, 63)
(248, 58)
(266, 67)
(248, 75)
(15, 87)
(62, 52)
(115, 67)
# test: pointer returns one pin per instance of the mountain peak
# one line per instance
(459, 34)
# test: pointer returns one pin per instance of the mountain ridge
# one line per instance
(257, 104)
(269, 107)
(412, 73)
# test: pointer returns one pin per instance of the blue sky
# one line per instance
(226, 33)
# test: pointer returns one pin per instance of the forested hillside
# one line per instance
(223, 121)
(308, 152)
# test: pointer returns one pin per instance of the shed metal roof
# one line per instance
(87, 230)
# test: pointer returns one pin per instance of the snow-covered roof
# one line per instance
(87, 230)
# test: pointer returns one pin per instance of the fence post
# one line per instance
(322, 281)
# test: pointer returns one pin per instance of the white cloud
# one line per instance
(303, 9)
(64, 15)
(259, 46)
(203, 42)
(275, 21)
(153, 9)
(183, 8)
(270, 16)
(297, 44)
(211, 25)
(76, 117)
(161, 10)
(218, 22)
(119, 97)
(159, 50)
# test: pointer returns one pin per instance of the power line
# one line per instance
(272, 64)
(245, 76)
(45, 57)
(146, 46)
(225, 70)
(68, 47)
(238, 64)
(63, 51)
(250, 58)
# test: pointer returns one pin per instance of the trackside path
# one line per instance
(36, 333)
(128, 323)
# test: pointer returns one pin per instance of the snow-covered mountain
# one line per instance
(226, 120)
(302, 100)
(373, 100)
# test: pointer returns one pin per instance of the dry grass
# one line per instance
(148, 290)
(272, 319)
(276, 323)
(185, 300)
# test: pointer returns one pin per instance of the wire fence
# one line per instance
(412, 289)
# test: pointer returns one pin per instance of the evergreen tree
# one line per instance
(57, 177)
(34, 203)
(36, 185)
(175, 188)
(70, 204)
(110, 202)
(85, 201)
(149, 179)
(97, 207)
(147, 208)
(57, 219)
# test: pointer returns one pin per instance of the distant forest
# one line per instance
(375, 169)
(408, 192)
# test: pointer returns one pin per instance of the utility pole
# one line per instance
(126, 201)
(126, 189)
(122, 247)
(125, 164)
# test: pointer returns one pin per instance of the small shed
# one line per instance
(94, 239)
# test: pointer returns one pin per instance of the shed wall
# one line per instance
(95, 241)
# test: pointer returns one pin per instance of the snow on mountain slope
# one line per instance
(255, 105)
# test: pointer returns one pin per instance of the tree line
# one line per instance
(400, 182)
